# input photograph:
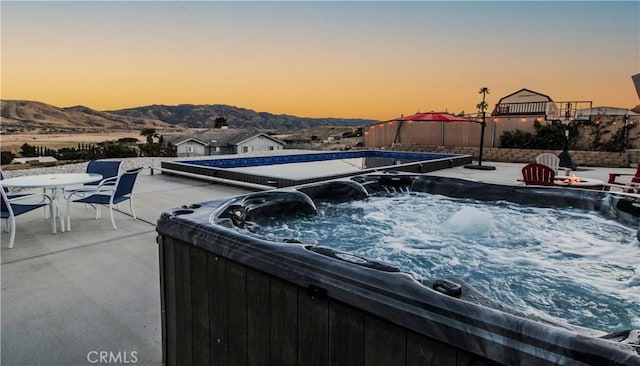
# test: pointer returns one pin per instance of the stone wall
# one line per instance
(630, 158)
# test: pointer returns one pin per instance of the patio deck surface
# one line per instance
(67, 297)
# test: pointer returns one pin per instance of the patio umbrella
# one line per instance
(446, 117)
(434, 117)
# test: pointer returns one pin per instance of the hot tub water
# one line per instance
(572, 264)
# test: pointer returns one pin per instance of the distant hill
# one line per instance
(21, 116)
(201, 116)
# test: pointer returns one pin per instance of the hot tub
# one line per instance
(230, 296)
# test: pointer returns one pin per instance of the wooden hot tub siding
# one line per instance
(218, 312)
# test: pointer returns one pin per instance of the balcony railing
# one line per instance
(519, 109)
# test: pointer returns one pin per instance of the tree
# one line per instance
(28, 151)
(219, 122)
(150, 134)
(482, 106)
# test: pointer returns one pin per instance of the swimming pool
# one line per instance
(305, 295)
(291, 168)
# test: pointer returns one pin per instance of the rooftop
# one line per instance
(67, 297)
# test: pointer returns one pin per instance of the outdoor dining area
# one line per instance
(68, 295)
(101, 185)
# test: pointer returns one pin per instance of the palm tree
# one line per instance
(482, 106)
(150, 134)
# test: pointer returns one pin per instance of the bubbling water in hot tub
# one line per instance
(572, 264)
(470, 221)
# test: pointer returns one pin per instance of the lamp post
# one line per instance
(483, 107)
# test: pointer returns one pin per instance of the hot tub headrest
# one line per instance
(335, 191)
(268, 205)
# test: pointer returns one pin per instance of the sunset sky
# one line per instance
(374, 60)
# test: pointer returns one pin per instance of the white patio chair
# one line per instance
(12, 208)
(553, 162)
(108, 196)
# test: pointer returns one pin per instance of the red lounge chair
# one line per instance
(538, 174)
(628, 186)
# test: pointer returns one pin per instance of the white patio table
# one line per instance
(51, 184)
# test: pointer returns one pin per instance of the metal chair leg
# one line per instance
(13, 232)
(113, 222)
(133, 213)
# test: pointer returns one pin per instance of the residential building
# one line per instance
(225, 141)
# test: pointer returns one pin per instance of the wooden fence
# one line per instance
(464, 134)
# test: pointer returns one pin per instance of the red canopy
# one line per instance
(434, 117)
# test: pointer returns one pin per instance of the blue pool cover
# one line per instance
(242, 162)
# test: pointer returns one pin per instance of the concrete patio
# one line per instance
(70, 296)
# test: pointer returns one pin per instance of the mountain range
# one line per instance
(23, 116)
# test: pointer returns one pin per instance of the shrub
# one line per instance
(617, 142)
(128, 140)
(547, 137)
(516, 139)
(115, 150)
(6, 157)
(157, 149)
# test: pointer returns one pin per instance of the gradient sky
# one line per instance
(373, 60)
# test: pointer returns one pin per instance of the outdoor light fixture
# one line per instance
(565, 157)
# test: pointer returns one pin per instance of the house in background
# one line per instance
(524, 103)
(34, 160)
(225, 141)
